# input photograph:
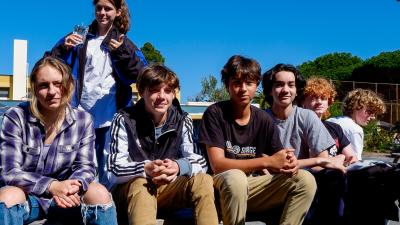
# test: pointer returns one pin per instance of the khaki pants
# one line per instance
(239, 193)
(139, 199)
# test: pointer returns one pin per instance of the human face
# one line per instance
(318, 104)
(284, 89)
(241, 91)
(105, 13)
(363, 116)
(157, 100)
(48, 88)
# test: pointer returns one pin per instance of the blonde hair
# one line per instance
(67, 84)
(320, 87)
(359, 98)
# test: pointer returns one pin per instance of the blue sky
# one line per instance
(198, 37)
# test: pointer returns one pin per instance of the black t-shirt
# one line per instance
(337, 134)
(219, 129)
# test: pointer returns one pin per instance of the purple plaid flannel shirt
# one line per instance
(24, 164)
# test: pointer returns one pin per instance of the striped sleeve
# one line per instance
(120, 166)
(197, 162)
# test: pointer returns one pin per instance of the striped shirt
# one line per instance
(24, 163)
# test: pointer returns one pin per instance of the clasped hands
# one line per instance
(65, 193)
(284, 161)
(162, 171)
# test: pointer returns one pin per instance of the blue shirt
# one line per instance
(24, 162)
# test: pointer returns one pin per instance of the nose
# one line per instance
(161, 94)
(102, 10)
(52, 89)
(243, 87)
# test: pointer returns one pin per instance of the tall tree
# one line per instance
(210, 92)
(335, 66)
(151, 54)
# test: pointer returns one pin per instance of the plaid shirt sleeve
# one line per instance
(84, 166)
(11, 156)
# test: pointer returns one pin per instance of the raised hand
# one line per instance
(114, 44)
(72, 40)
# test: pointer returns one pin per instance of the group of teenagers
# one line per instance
(80, 152)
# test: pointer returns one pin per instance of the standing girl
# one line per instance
(104, 66)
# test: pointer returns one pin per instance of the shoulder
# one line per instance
(20, 111)
(80, 115)
(217, 108)
(262, 115)
(306, 113)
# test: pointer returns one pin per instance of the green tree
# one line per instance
(210, 92)
(383, 68)
(334, 66)
(151, 54)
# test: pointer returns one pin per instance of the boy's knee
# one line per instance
(233, 182)
(11, 196)
(96, 194)
(305, 181)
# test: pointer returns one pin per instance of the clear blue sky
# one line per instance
(197, 37)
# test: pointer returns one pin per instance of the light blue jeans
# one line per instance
(31, 211)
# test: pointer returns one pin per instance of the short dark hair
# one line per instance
(269, 80)
(241, 67)
(156, 74)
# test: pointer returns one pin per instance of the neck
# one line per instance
(241, 113)
(282, 112)
(52, 119)
(158, 120)
(102, 31)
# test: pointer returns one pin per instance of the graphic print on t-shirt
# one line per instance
(245, 152)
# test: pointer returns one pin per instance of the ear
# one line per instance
(118, 12)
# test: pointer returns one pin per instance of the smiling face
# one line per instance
(48, 88)
(158, 99)
(284, 89)
(241, 91)
(318, 104)
(105, 13)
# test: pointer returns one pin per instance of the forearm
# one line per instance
(246, 165)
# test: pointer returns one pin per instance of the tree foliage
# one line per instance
(151, 54)
(210, 92)
(383, 68)
(334, 66)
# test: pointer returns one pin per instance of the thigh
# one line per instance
(267, 191)
(174, 195)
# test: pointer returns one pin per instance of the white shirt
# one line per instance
(353, 132)
(99, 88)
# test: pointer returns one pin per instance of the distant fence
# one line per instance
(390, 94)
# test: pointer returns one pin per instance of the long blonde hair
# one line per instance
(67, 84)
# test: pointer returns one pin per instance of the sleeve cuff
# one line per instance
(185, 168)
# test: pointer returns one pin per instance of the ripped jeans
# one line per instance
(31, 211)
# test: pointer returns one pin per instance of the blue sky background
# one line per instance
(198, 37)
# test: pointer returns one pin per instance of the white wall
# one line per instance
(20, 69)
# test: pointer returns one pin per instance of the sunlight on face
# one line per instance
(318, 104)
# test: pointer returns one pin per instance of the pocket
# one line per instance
(66, 155)
(30, 157)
